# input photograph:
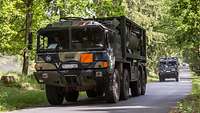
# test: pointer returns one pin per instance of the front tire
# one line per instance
(113, 88)
(54, 94)
(124, 94)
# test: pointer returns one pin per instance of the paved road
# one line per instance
(160, 98)
(9, 64)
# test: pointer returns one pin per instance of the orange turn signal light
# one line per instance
(105, 64)
(86, 58)
(101, 64)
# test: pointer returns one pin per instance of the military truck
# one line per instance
(102, 56)
(168, 68)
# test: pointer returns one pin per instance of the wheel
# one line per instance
(161, 79)
(136, 87)
(71, 96)
(177, 77)
(144, 83)
(113, 88)
(91, 93)
(124, 94)
(54, 94)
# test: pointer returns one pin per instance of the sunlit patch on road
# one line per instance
(119, 108)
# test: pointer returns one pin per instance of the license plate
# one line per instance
(69, 66)
(70, 75)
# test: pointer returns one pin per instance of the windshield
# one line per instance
(168, 63)
(81, 38)
(52, 40)
(172, 63)
(163, 63)
(87, 38)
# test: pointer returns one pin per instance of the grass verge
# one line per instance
(152, 77)
(25, 92)
(191, 104)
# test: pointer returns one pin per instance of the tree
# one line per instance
(28, 4)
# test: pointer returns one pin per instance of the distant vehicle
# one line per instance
(185, 66)
(168, 68)
(102, 56)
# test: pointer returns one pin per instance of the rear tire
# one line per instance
(177, 77)
(124, 94)
(161, 79)
(144, 82)
(72, 96)
(54, 95)
(113, 88)
(136, 87)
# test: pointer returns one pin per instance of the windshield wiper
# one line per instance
(94, 49)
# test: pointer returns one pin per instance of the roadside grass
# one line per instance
(25, 92)
(190, 104)
(152, 77)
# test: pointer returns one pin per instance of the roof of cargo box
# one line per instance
(75, 23)
(103, 19)
(117, 17)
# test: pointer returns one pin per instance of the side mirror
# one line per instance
(106, 37)
(30, 40)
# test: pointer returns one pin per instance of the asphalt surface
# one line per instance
(160, 98)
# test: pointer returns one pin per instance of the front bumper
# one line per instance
(74, 79)
(171, 74)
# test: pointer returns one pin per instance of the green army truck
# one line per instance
(102, 56)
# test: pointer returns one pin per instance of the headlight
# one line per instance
(101, 64)
(69, 66)
(48, 58)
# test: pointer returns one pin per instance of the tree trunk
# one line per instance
(28, 31)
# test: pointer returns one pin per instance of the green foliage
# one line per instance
(172, 25)
(11, 24)
(186, 17)
(23, 93)
(14, 98)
